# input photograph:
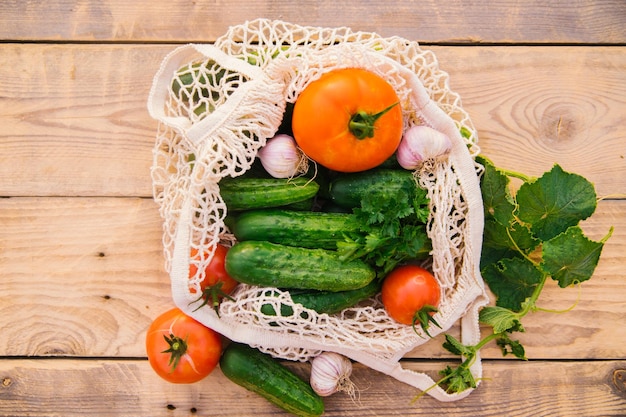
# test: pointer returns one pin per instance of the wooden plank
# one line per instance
(85, 277)
(76, 119)
(130, 388)
(69, 111)
(427, 21)
(537, 106)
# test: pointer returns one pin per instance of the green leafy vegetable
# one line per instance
(392, 230)
(528, 237)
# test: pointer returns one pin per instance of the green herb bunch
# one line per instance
(392, 229)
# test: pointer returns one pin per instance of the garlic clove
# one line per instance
(420, 143)
(330, 373)
(281, 157)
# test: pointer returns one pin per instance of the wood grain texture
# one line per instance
(534, 107)
(84, 277)
(426, 21)
(80, 277)
(75, 119)
(74, 116)
(130, 388)
(81, 266)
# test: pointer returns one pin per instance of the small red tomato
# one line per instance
(411, 296)
(216, 283)
(181, 349)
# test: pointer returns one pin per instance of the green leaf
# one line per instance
(458, 379)
(571, 257)
(500, 241)
(507, 345)
(520, 237)
(421, 205)
(555, 201)
(497, 199)
(501, 319)
(348, 248)
(392, 229)
(373, 241)
(512, 280)
(455, 347)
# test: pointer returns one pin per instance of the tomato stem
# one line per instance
(424, 317)
(361, 123)
(213, 294)
(177, 348)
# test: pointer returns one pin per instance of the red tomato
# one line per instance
(216, 283)
(411, 296)
(348, 120)
(181, 349)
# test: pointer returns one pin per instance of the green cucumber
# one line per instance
(255, 193)
(325, 301)
(272, 265)
(295, 228)
(262, 374)
(348, 190)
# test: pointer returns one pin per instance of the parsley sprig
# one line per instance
(392, 229)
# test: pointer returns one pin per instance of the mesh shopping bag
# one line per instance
(217, 104)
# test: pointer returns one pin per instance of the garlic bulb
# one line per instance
(330, 373)
(281, 157)
(420, 143)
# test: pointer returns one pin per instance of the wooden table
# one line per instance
(81, 265)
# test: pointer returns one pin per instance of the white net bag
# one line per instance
(219, 110)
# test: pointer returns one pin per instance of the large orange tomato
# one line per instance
(348, 120)
(181, 349)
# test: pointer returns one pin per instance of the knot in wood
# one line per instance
(563, 124)
(619, 380)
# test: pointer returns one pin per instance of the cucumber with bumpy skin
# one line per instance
(256, 193)
(295, 228)
(272, 265)
(260, 373)
(348, 190)
(325, 301)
